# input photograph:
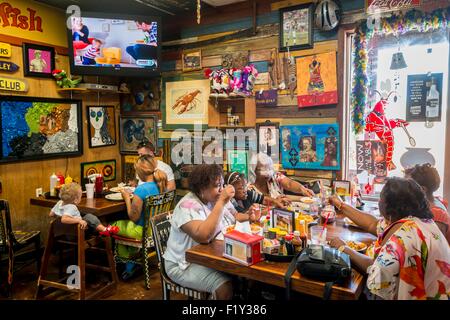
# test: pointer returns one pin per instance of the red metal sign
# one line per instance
(373, 6)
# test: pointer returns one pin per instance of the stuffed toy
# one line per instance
(63, 81)
(215, 79)
(225, 78)
(236, 81)
(248, 79)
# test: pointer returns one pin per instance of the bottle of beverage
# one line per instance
(297, 241)
(266, 227)
(289, 245)
(303, 234)
(53, 184)
(432, 102)
(283, 251)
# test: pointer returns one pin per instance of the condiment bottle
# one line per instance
(266, 227)
(297, 241)
(283, 251)
(53, 184)
(303, 234)
(281, 234)
(60, 178)
(68, 180)
(289, 245)
(272, 233)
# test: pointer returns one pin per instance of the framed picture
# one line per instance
(107, 168)
(186, 104)
(38, 61)
(317, 80)
(134, 129)
(269, 139)
(38, 128)
(192, 60)
(144, 96)
(128, 170)
(296, 27)
(283, 219)
(342, 188)
(102, 126)
(237, 160)
(312, 146)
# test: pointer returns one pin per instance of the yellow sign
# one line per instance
(27, 19)
(10, 84)
(5, 50)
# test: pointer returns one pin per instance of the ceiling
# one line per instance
(164, 8)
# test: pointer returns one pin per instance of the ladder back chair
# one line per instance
(153, 206)
(161, 232)
(15, 244)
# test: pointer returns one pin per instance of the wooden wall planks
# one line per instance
(19, 180)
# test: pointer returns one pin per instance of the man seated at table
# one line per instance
(265, 180)
(147, 147)
(198, 218)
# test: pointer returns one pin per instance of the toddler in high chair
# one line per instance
(66, 208)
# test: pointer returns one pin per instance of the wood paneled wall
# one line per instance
(20, 179)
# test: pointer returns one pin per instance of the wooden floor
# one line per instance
(25, 286)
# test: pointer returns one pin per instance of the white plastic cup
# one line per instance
(90, 190)
(318, 235)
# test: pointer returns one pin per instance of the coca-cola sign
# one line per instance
(373, 6)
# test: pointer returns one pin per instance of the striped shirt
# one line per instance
(253, 196)
(91, 52)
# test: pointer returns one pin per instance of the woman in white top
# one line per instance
(198, 218)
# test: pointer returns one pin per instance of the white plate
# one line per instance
(116, 196)
(307, 200)
(118, 189)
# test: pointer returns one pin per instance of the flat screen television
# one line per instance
(114, 45)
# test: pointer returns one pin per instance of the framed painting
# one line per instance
(38, 61)
(269, 139)
(283, 219)
(102, 126)
(141, 95)
(192, 61)
(107, 168)
(317, 80)
(135, 129)
(128, 170)
(312, 146)
(39, 128)
(296, 27)
(186, 104)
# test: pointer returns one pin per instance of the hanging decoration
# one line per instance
(397, 24)
(199, 6)
(377, 122)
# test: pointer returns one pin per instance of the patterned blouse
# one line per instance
(274, 186)
(413, 264)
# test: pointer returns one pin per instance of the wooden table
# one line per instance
(210, 255)
(97, 206)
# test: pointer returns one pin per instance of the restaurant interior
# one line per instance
(239, 150)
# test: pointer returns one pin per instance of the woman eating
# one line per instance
(155, 182)
(412, 257)
(428, 178)
(198, 218)
(265, 180)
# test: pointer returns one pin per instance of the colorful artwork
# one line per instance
(133, 130)
(268, 139)
(38, 61)
(187, 102)
(102, 126)
(128, 171)
(143, 96)
(192, 61)
(296, 29)
(371, 160)
(107, 168)
(238, 161)
(317, 80)
(38, 128)
(313, 146)
(284, 220)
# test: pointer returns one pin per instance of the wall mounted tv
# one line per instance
(114, 45)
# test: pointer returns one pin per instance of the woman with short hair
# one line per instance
(198, 218)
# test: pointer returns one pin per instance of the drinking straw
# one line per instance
(324, 226)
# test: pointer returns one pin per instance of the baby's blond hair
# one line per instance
(69, 192)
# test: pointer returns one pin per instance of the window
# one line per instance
(414, 70)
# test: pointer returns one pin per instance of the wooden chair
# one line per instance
(17, 243)
(153, 205)
(161, 231)
(63, 234)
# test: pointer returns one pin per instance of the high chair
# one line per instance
(56, 234)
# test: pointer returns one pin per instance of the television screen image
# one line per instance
(106, 44)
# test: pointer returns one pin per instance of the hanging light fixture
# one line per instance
(199, 6)
(398, 61)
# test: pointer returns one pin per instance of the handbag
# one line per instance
(320, 263)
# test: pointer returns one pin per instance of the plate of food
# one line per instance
(307, 200)
(349, 222)
(116, 197)
(256, 229)
(120, 188)
(357, 246)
